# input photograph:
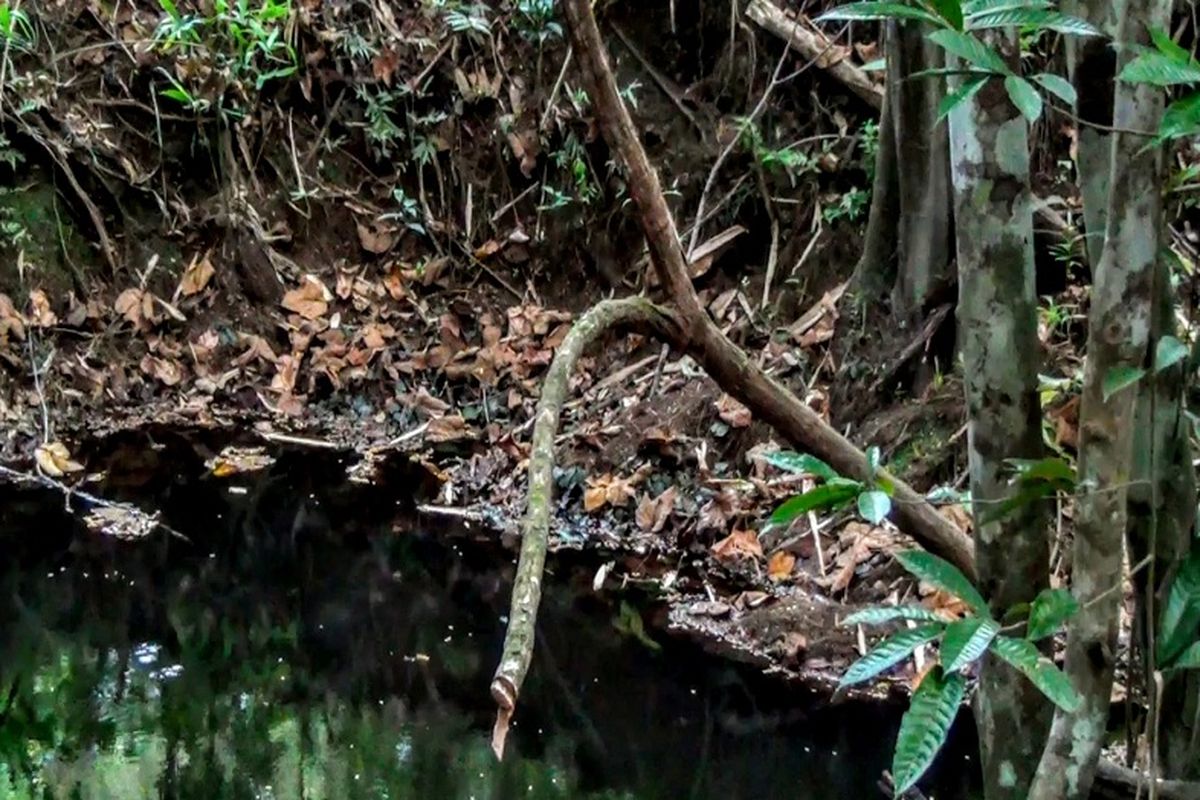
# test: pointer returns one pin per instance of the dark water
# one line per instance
(314, 639)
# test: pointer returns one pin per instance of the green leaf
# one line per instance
(1029, 493)
(961, 95)
(1050, 610)
(1049, 679)
(874, 506)
(1188, 659)
(889, 652)
(1049, 470)
(1119, 378)
(1181, 613)
(973, 8)
(1024, 97)
(949, 10)
(880, 615)
(871, 10)
(943, 575)
(874, 458)
(970, 50)
(1181, 119)
(1058, 86)
(1169, 352)
(829, 495)
(1160, 70)
(801, 463)
(1038, 19)
(966, 640)
(1168, 47)
(925, 726)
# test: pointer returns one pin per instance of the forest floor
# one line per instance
(380, 251)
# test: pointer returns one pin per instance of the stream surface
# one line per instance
(315, 638)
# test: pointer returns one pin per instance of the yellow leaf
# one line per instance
(54, 459)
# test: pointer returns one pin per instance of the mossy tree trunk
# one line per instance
(1119, 335)
(997, 319)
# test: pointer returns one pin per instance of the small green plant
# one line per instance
(383, 134)
(535, 21)
(873, 496)
(243, 40)
(789, 159)
(408, 211)
(1167, 64)
(16, 30)
(851, 205)
(961, 643)
(1178, 641)
(468, 18)
(956, 24)
(580, 187)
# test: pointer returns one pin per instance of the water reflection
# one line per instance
(310, 641)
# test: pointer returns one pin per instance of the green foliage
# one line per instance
(246, 42)
(890, 652)
(956, 23)
(1041, 672)
(16, 30)
(1049, 611)
(468, 18)
(963, 642)
(1166, 64)
(408, 211)
(942, 574)
(1168, 352)
(879, 615)
(1035, 480)
(1180, 622)
(535, 21)
(925, 726)
(873, 495)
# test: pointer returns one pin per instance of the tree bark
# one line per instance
(997, 317)
(1118, 337)
(925, 220)
(875, 272)
(535, 529)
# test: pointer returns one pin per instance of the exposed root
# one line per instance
(527, 586)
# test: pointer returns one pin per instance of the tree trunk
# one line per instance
(907, 250)
(1119, 330)
(997, 317)
(923, 148)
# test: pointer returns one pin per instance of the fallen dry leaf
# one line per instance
(163, 369)
(780, 567)
(376, 237)
(310, 300)
(605, 490)
(737, 545)
(54, 459)
(452, 428)
(40, 314)
(733, 412)
(652, 514)
(196, 277)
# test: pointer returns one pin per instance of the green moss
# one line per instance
(33, 221)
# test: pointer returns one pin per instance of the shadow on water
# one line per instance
(314, 639)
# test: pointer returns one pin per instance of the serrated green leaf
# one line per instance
(1188, 659)
(1058, 86)
(1168, 352)
(1159, 70)
(1180, 619)
(949, 10)
(1048, 679)
(826, 496)
(970, 50)
(880, 615)
(801, 463)
(871, 10)
(943, 575)
(1036, 18)
(889, 652)
(874, 506)
(925, 726)
(1119, 378)
(1049, 611)
(961, 95)
(1024, 97)
(965, 640)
